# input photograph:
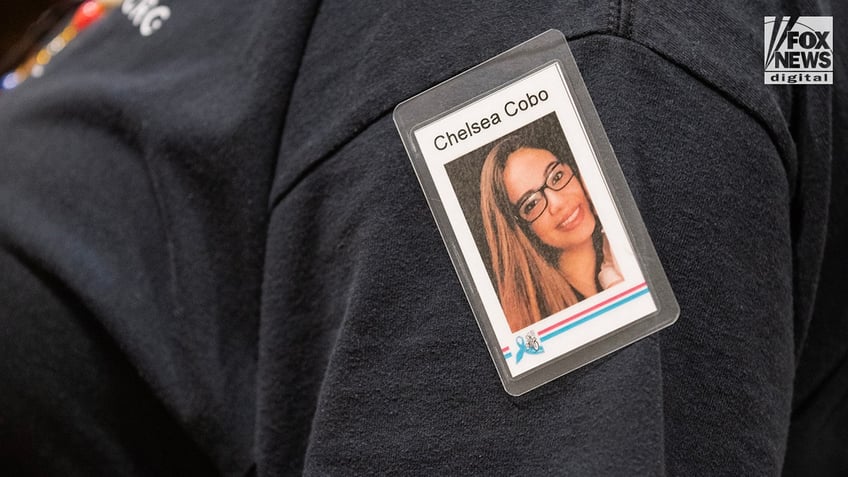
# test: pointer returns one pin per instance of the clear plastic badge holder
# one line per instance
(533, 207)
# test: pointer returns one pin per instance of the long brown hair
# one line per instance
(530, 286)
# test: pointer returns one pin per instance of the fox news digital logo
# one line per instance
(798, 50)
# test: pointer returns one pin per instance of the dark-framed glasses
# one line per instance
(531, 207)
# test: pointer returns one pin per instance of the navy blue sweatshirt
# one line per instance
(215, 257)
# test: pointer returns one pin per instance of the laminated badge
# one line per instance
(535, 212)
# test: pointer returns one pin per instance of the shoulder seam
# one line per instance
(789, 167)
(727, 96)
(621, 26)
(620, 14)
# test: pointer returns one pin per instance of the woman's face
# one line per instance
(567, 221)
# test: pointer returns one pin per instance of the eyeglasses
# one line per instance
(531, 207)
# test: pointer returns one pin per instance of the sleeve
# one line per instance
(370, 358)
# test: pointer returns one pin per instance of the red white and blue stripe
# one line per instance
(586, 315)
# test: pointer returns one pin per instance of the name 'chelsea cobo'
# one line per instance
(510, 108)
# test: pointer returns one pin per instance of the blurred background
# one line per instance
(25, 24)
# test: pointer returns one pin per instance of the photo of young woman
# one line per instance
(546, 247)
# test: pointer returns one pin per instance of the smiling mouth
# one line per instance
(572, 221)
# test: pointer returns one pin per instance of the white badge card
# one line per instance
(536, 214)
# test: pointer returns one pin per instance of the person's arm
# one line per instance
(371, 359)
